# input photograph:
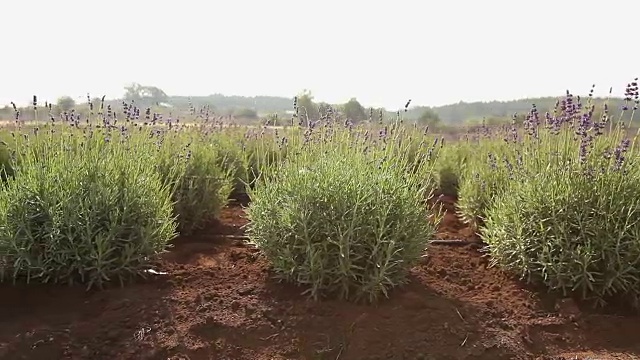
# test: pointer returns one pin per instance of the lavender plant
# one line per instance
(194, 169)
(104, 199)
(570, 215)
(80, 209)
(343, 215)
(451, 164)
(485, 174)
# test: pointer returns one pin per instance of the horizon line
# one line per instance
(27, 103)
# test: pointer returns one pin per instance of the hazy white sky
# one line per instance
(383, 53)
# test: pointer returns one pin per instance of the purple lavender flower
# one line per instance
(383, 133)
(513, 136)
(493, 163)
(618, 153)
(586, 142)
(282, 143)
(508, 164)
(519, 161)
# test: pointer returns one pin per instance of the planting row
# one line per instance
(340, 208)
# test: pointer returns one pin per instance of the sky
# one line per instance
(383, 53)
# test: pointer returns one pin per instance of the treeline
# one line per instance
(495, 111)
(255, 107)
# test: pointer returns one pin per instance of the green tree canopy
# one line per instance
(145, 94)
(354, 111)
(65, 103)
(307, 107)
(428, 117)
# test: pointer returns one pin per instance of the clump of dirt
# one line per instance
(218, 300)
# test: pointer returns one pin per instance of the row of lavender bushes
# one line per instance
(555, 199)
(337, 207)
(96, 199)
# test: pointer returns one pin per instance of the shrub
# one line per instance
(569, 215)
(450, 166)
(570, 232)
(203, 190)
(448, 181)
(245, 159)
(485, 174)
(83, 210)
(479, 185)
(233, 161)
(341, 221)
(6, 168)
(200, 179)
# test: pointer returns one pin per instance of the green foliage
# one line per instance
(66, 103)
(144, 95)
(245, 113)
(567, 211)
(82, 210)
(484, 174)
(339, 208)
(449, 168)
(477, 187)
(354, 111)
(307, 109)
(428, 117)
(6, 164)
(347, 221)
(199, 179)
(570, 232)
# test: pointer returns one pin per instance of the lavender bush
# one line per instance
(344, 215)
(81, 210)
(570, 214)
(485, 174)
(105, 193)
(198, 175)
(451, 164)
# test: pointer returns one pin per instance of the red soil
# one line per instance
(218, 302)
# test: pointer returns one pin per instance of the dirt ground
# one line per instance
(217, 301)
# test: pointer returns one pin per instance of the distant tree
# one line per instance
(6, 112)
(65, 103)
(324, 108)
(272, 119)
(156, 94)
(354, 111)
(428, 117)
(378, 114)
(132, 91)
(307, 108)
(245, 113)
(145, 94)
(96, 101)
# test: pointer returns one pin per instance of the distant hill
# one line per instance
(457, 113)
(465, 111)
